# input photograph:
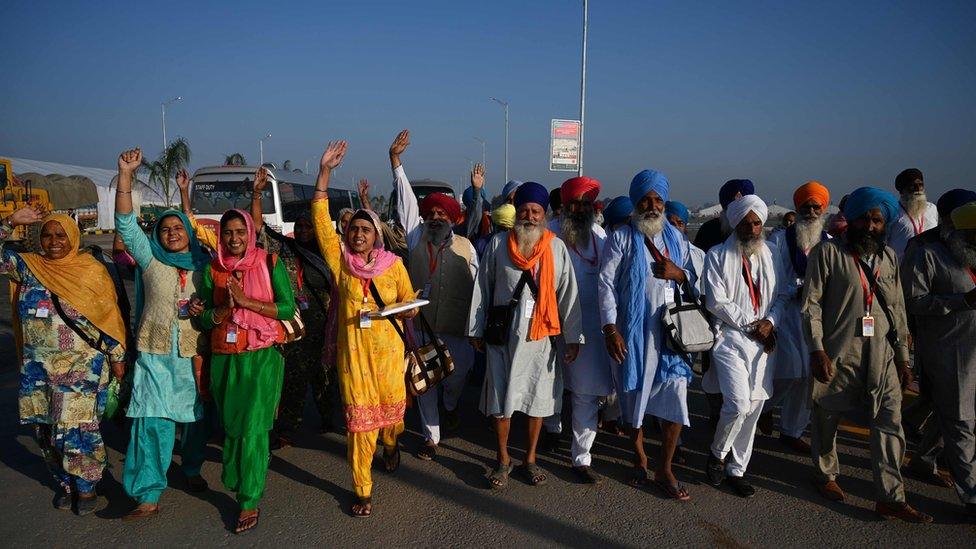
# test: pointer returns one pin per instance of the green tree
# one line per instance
(235, 159)
(162, 171)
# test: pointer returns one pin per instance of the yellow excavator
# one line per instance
(15, 194)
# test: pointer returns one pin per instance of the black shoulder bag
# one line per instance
(498, 319)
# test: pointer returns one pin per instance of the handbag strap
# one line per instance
(94, 344)
(526, 278)
(380, 303)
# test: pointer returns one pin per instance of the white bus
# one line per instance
(220, 188)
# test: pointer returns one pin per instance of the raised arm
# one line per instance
(324, 231)
(183, 182)
(260, 183)
(407, 208)
(472, 225)
(364, 194)
(29, 214)
(129, 162)
(126, 223)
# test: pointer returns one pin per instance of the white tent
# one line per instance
(104, 183)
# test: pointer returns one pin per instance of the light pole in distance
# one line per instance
(162, 107)
(504, 104)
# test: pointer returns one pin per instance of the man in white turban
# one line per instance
(743, 282)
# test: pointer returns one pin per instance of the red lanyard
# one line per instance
(921, 220)
(868, 291)
(365, 283)
(299, 273)
(432, 258)
(182, 280)
(658, 256)
(753, 288)
(596, 252)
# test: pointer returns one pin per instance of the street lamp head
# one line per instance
(499, 101)
(265, 138)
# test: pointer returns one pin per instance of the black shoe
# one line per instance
(196, 484)
(741, 486)
(714, 470)
(62, 500)
(427, 452)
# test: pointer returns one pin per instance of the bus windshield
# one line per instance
(218, 197)
(296, 199)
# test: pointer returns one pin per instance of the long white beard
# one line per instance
(527, 235)
(963, 251)
(752, 246)
(650, 224)
(808, 231)
(914, 203)
(576, 231)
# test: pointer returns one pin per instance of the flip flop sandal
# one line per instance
(427, 452)
(498, 479)
(534, 474)
(929, 477)
(391, 461)
(674, 491)
(365, 508)
(247, 523)
(642, 475)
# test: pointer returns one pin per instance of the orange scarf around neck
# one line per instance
(545, 318)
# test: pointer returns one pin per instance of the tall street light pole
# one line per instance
(504, 104)
(162, 107)
(261, 143)
(483, 147)
(582, 93)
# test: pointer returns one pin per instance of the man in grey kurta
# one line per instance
(941, 295)
(851, 282)
(523, 374)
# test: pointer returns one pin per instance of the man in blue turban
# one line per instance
(714, 231)
(508, 191)
(677, 214)
(647, 264)
(617, 212)
(855, 325)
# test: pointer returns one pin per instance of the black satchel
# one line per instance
(498, 321)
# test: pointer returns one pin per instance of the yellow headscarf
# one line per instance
(80, 280)
(964, 217)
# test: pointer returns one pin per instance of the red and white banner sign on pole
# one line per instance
(564, 147)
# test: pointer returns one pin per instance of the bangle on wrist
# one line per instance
(123, 192)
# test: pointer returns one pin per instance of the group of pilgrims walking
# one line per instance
(818, 319)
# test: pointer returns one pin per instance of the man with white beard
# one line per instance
(742, 285)
(942, 298)
(588, 378)
(646, 264)
(917, 214)
(525, 297)
(442, 265)
(791, 385)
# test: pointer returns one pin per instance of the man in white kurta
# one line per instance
(647, 264)
(915, 213)
(588, 378)
(442, 265)
(791, 385)
(742, 285)
(523, 374)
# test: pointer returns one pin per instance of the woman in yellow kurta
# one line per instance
(370, 353)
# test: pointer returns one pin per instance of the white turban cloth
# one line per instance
(740, 208)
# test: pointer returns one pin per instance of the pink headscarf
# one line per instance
(379, 259)
(262, 331)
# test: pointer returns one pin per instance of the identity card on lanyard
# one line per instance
(364, 320)
(867, 321)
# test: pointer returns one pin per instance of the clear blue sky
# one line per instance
(848, 93)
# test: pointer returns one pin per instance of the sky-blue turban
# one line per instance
(733, 187)
(647, 181)
(467, 198)
(864, 199)
(617, 211)
(510, 187)
(952, 200)
(530, 191)
(678, 209)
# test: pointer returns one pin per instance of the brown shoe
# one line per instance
(902, 511)
(831, 490)
(798, 445)
(141, 512)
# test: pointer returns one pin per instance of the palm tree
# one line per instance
(162, 172)
(235, 159)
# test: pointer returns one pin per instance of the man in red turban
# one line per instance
(440, 206)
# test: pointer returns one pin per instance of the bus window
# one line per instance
(218, 197)
(296, 199)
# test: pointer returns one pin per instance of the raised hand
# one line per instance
(32, 213)
(400, 144)
(183, 180)
(129, 161)
(333, 155)
(260, 180)
(363, 187)
(478, 176)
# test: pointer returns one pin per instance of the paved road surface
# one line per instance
(446, 503)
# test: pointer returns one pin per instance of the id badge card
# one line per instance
(364, 320)
(425, 293)
(302, 303)
(43, 309)
(529, 308)
(231, 334)
(867, 326)
(669, 294)
(184, 307)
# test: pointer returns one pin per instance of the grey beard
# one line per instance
(808, 231)
(963, 251)
(914, 203)
(437, 231)
(867, 247)
(650, 224)
(527, 235)
(752, 246)
(576, 231)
